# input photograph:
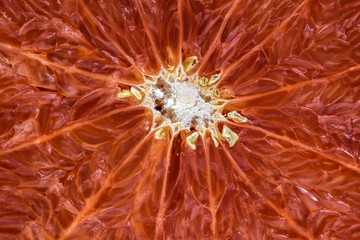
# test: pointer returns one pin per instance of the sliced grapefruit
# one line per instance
(182, 119)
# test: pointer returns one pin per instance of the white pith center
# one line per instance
(182, 102)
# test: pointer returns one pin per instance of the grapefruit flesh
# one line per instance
(86, 153)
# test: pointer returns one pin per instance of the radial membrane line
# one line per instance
(293, 142)
(119, 48)
(273, 164)
(148, 34)
(73, 69)
(243, 154)
(283, 176)
(181, 31)
(38, 12)
(91, 202)
(262, 43)
(287, 88)
(161, 213)
(79, 35)
(143, 180)
(218, 34)
(67, 69)
(308, 81)
(211, 200)
(75, 125)
(247, 181)
(293, 86)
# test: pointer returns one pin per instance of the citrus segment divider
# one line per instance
(186, 119)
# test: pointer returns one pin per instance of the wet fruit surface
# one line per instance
(86, 152)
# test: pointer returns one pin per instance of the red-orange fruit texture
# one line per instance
(78, 162)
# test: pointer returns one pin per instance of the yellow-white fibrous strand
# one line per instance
(160, 134)
(124, 94)
(214, 78)
(191, 139)
(215, 140)
(236, 117)
(189, 63)
(133, 92)
(229, 135)
(136, 92)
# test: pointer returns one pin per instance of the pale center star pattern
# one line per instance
(91, 147)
